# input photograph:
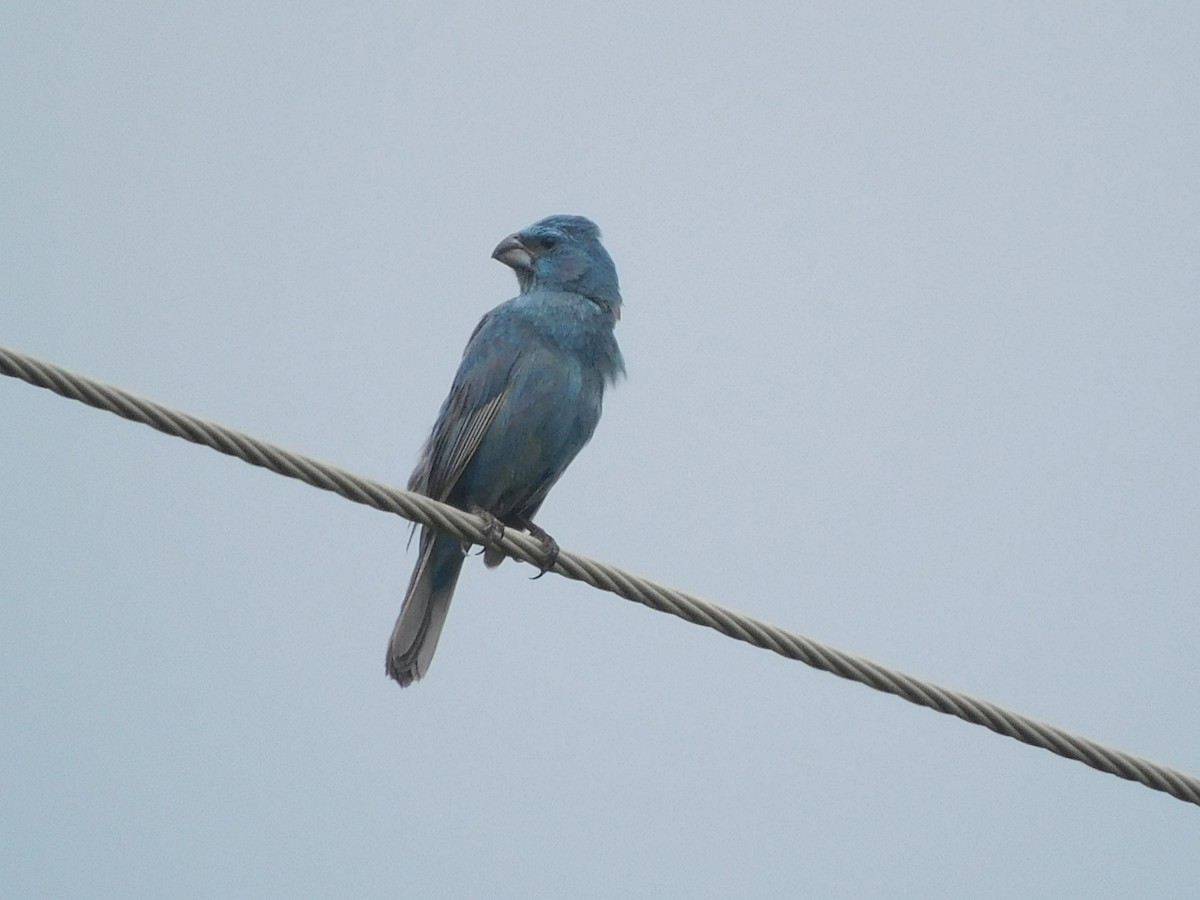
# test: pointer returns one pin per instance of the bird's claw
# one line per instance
(550, 549)
(493, 530)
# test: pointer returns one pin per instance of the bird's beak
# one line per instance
(513, 253)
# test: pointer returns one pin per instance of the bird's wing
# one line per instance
(456, 444)
(480, 390)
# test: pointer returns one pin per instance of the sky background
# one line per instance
(912, 335)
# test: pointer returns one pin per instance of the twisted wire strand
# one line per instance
(605, 577)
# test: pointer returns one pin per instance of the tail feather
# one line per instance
(425, 606)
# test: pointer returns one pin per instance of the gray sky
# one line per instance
(911, 330)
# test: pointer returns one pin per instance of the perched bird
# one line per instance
(526, 398)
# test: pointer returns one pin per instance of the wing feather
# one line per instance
(466, 440)
(481, 388)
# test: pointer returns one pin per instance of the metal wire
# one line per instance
(601, 575)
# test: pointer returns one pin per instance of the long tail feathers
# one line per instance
(425, 606)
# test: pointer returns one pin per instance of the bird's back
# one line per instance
(557, 353)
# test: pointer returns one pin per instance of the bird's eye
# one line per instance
(549, 242)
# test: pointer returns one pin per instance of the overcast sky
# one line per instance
(912, 334)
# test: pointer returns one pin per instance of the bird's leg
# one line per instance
(549, 547)
(493, 531)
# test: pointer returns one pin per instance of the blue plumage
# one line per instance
(525, 400)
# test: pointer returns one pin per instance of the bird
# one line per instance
(525, 400)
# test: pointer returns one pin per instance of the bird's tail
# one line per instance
(425, 606)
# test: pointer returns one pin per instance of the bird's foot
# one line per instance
(493, 532)
(550, 549)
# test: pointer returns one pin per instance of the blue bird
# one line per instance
(525, 400)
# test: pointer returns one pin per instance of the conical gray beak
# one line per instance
(513, 253)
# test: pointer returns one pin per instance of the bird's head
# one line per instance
(563, 253)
